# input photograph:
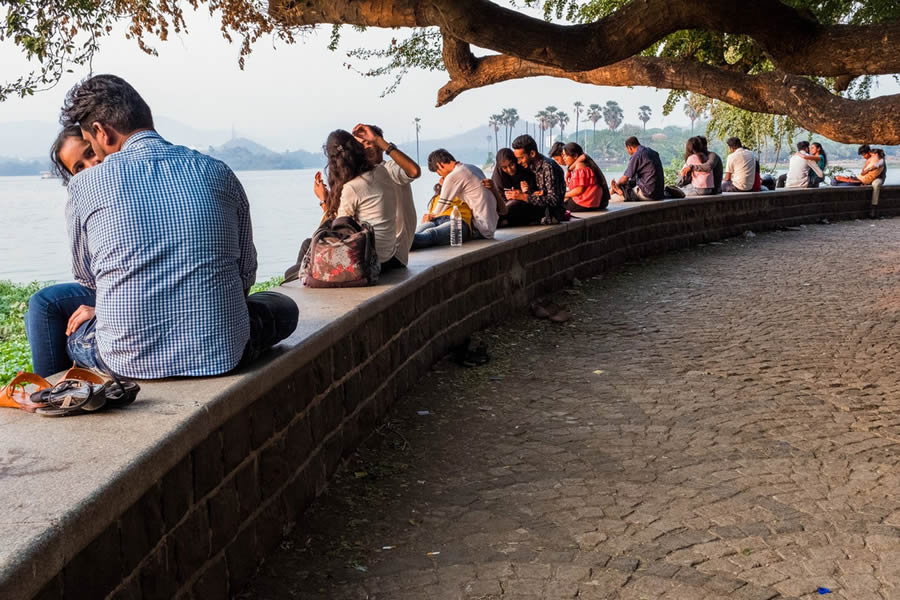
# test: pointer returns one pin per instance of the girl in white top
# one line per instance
(360, 190)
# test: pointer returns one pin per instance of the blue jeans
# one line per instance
(45, 324)
(436, 233)
(273, 317)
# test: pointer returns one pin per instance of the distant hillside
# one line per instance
(11, 167)
(242, 154)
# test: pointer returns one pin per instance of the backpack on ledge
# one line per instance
(341, 253)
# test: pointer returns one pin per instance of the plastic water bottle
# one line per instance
(456, 233)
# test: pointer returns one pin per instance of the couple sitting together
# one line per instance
(162, 250)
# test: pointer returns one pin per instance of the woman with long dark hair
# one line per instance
(55, 311)
(587, 187)
(509, 174)
(358, 189)
(70, 153)
(701, 183)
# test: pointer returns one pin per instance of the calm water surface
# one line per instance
(34, 244)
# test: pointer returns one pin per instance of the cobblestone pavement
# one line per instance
(722, 422)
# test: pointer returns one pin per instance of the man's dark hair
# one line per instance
(109, 100)
(439, 156)
(377, 130)
(864, 149)
(525, 142)
(556, 149)
(632, 142)
(734, 143)
(803, 147)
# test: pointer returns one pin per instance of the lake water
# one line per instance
(34, 244)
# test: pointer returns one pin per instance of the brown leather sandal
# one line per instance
(14, 394)
(84, 375)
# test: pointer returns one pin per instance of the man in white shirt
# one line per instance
(740, 168)
(402, 170)
(798, 168)
(465, 182)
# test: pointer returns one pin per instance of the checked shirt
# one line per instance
(163, 233)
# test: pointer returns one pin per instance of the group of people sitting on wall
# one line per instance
(152, 301)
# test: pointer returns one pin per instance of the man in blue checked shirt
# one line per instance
(163, 233)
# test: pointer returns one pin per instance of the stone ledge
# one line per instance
(237, 457)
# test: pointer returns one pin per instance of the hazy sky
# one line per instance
(290, 97)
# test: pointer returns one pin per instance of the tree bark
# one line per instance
(812, 106)
(795, 42)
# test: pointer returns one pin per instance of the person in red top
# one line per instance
(587, 187)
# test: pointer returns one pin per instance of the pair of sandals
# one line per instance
(79, 392)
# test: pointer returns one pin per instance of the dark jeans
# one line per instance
(573, 206)
(436, 233)
(273, 317)
(727, 186)
(523, 213)
(48, 315)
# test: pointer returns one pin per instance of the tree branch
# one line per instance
(796, 43)
(812, 106)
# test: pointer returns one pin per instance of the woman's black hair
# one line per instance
(694, 145)
(575, 150)
(57, 167)
(821, 152)
(505, 155)
(346, 160)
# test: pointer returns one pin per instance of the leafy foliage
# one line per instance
(61, 33)
(15, 354)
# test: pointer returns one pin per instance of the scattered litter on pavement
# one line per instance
(823, 590)
(825, 222)
(599, 372)
(422, 412)
(749, 234)
(432, 553)
(486, 408)
(387, 547)
(420, 481)
(360, 568)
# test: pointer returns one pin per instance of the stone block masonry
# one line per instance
(183, 494)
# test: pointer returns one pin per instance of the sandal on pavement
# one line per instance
(70, 397)
(14, 394)
(118, 392)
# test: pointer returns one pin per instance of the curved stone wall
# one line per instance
(181, 494)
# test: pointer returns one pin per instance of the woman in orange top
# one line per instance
(587, 187)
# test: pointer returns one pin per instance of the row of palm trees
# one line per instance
(552, 117)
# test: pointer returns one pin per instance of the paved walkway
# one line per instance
(717, 423)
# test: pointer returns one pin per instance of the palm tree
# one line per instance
(578, 110)
(644, 113)
(694, 108)
(551, 117)
(613, 115)
(512, 117)
(418, 122)
(562, 118)
(594, 113)
(543, 121)
(494, 123)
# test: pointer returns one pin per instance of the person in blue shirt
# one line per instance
(643, 178)
(162, 234)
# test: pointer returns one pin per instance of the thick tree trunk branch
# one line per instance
(809, 104)
(796, 43)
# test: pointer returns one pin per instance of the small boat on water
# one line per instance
(49, 175)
